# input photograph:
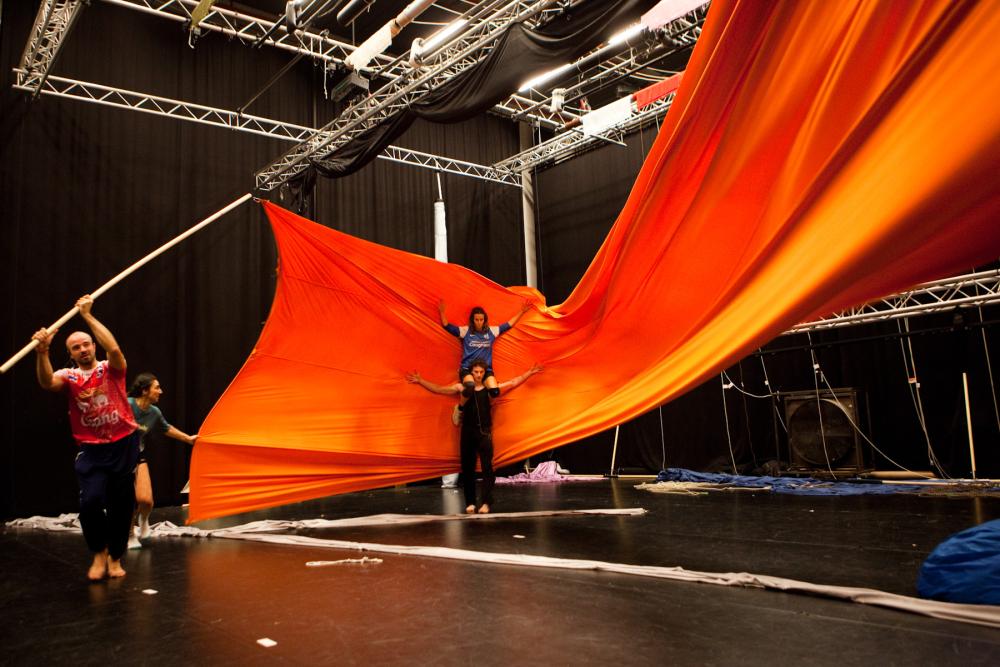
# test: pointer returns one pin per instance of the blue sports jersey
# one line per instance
(477, 346)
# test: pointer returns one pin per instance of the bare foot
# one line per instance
(115, 569)
(99, 568)
(471, 509)
(484, 509)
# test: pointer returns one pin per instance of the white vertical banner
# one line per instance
(440, 232)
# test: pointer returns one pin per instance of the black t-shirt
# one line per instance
(476, 412)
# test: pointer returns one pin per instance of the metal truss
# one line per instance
(196, 113)
(249, 29)
(968, 291)
(52, 25)
(464, 51)
(483, 172)
(677, 36)
(571, 143)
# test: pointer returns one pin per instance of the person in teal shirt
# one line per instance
(143, 397)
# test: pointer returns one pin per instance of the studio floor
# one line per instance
(215, 598)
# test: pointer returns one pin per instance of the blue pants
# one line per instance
(106, 475)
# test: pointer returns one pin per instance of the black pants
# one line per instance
(476, 444)
(106, 475)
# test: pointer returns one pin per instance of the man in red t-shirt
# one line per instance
(103, 426)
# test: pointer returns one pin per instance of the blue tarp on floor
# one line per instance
(797, 485)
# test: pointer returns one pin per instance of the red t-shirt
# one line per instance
(98, 404)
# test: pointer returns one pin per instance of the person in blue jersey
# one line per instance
(143, 396)
(477, 344)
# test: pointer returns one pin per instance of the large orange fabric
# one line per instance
(818, 154)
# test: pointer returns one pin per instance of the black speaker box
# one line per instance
(823, 431)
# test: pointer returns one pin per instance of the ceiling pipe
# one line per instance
(352, 10)
(382, 38)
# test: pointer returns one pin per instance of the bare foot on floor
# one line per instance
(471, 509)
(115, 569)
(484, 509)
(99, 568)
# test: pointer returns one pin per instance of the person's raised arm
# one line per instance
(101, 333)
(414, 378)
(178, 434)
(525, 307)
(43, 365)
(441, 308)
(522, 378)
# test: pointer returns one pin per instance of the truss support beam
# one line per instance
(571, 143)
(463, 52)
(967, 291)
(53, 23)
(247, 29)
(196, 113)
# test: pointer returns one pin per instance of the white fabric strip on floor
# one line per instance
(262, 531)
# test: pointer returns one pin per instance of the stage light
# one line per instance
(442, 36)
(543, 78)
(626, 34)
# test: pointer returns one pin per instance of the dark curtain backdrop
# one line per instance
(89, 190)
(578, 201)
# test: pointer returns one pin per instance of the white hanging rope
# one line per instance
(989, 369)
(114, 281)
(817, 371)
(857, 428)
(663, 442)
(913, 381)
(746, 417)
(725, 412)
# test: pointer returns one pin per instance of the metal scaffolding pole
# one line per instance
(573, 142)
(248, 29)
(970, 290)
(463, 52)
(53, 23)
(196, 113)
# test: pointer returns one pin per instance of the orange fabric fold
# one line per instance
(817, 155)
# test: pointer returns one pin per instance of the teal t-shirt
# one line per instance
(148, 420)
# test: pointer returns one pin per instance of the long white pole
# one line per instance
(114, 281)
(614, 452)
(968, 422)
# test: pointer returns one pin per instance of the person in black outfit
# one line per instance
(477, 428)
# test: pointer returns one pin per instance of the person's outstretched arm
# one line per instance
(522, 378)
(414, 378)
(525, 307)
(178, 434)
(43, 365)
(441, 307)
(448, 326)
(101, 333)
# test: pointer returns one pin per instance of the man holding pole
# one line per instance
(104, 429)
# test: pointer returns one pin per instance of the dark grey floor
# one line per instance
(216, 597)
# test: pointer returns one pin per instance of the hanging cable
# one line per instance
(771, 393)
(857, 429)
(819, 404)
(910, 364)
(741, 390)
(989, 369)
(725, 412)
(746, 417)
(663, 442)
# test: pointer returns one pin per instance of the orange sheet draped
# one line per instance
(818, 154)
